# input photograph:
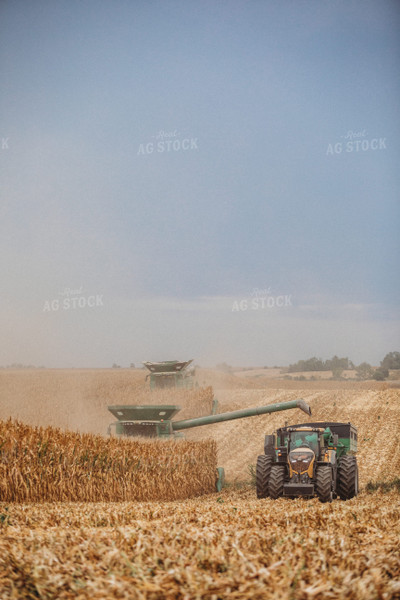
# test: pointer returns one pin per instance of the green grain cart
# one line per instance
(309, 459)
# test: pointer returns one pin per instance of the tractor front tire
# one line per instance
(263, 471)
(276, 481)
(348, 477)
(323, 484)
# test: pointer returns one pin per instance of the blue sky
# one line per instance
(171, 159)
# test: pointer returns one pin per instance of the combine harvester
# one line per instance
(171, 374)
(156, 421)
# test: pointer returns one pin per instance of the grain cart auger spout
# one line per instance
(156, 421)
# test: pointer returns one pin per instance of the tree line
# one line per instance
(337, 365)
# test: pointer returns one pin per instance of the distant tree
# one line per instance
(311, 364)
(132, 366)
(380, 374)
(391, 361)
(115, 366)
(338, 363)
(364, 371)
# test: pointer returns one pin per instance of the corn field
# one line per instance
(92, 518)
(227, 546)
(46, 464)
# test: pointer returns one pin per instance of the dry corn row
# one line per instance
(47, 464)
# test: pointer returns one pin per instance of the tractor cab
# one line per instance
(293, 438)
(304, 439)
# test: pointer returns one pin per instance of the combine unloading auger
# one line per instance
(156, 421)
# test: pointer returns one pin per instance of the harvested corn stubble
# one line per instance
(219, 546)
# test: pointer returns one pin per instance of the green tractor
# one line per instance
(310, 459)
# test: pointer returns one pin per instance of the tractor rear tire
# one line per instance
(276, 481)
(323, 484)
(263, 471)
(347, 478)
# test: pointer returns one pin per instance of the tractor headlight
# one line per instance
(300, 460)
